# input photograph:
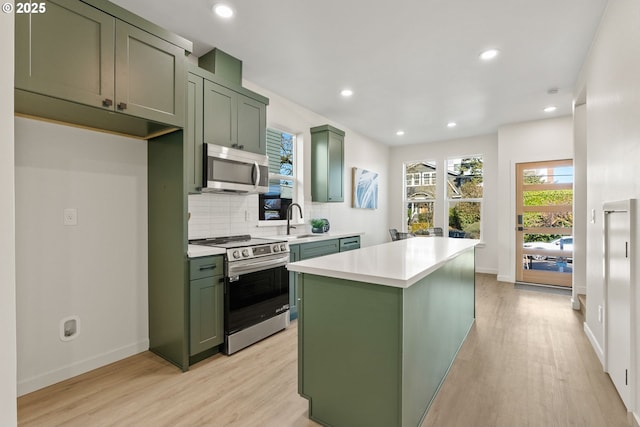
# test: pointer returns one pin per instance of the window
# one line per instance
(420, 195)
(464, 196)
(282, 179)
(461, 199)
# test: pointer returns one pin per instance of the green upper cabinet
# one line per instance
(79, 53)
(220, 115)
(252, 125)
(67, 52)
(327, 164)
(193, 134)
(150, 75)
(233, 119)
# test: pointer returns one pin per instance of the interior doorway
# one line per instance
(544, 222)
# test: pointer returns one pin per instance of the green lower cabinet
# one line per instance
(206, 316)
(316, 249)
(206, 302)
(294, 255)
(349, 243)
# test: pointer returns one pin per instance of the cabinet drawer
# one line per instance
(349, 243)
(316, 249)
(205, 267)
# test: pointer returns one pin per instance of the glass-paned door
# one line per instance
(544, 222)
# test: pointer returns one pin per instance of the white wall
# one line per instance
(580, 213)
(610, 79)
(487, 146)
(227, 212)
(8, 414)
(96, 270)
(550, 139)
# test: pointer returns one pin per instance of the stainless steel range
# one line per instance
(256, 288)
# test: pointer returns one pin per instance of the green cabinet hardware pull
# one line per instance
(122, 106)
(208, 267)
(107, 103)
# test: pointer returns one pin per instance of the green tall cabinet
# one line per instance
(193, 133)
(94, 53)
(327, 164)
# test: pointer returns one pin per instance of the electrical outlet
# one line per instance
(70, 216)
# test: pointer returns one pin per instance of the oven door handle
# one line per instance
(257, 266)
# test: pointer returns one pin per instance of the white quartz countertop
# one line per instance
(399, 264)
(195, 251)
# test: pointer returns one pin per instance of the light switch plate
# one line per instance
(70, 216)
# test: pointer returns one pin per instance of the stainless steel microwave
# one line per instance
(228, 170)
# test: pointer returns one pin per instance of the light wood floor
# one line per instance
(526, 362)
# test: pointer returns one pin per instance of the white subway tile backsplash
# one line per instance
(215, 215)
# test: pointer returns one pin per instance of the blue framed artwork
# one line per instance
(365, 189)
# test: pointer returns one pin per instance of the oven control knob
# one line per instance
(283, 247)
(276, 248)
(236, 254)
(245, 253)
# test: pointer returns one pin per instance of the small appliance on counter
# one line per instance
(256, 297)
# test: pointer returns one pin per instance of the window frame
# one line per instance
(297, 170)
(441, 201)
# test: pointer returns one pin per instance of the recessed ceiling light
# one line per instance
(346, 92)
(400, 133)
(489, 54)
(550, 109)
(452, 124)
(222, 10)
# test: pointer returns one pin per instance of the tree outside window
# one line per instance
(420, 194)
(465, 188)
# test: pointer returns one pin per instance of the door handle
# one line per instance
(520, 228)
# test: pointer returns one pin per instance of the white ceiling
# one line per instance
(412, 64)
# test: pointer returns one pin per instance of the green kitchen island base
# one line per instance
(374, 355)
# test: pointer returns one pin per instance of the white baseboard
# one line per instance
(503, 278)
(48, 378)
(594, 343)
(636, 419)
(487, 271)
(575, 303)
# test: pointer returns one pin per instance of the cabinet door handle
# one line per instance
(107, 102)
(208, 267)
(122, 105)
